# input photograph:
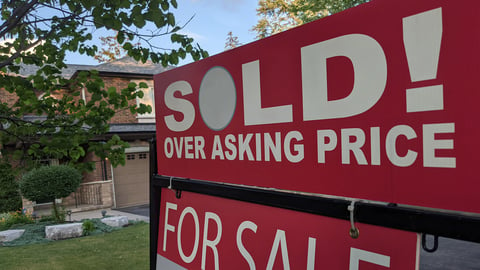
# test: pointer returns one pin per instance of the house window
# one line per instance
(130, 156)
(142, 156)
(47, 162)
(148, 99)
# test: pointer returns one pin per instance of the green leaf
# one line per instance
(132, 86)
(139, 21)
(112, 91)
(182, 53)
(174, 59)
(127, 46)
(204, 54)
(174, 3)
(170, 19)
(120, 37)
(154, 57)
(165, 5)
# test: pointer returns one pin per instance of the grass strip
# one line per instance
(127, 248)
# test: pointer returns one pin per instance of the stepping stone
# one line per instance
(64, 231)
(10, 235)
(118, 221)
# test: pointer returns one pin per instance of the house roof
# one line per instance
(125, 130)
(132, 128)
(131, 131)
(130, 65)
(124, 66)
(114, 128)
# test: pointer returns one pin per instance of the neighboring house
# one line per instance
(124, 185)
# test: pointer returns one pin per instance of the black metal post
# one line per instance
(104, 170)
(155, 192)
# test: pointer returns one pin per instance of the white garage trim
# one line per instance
(137, 149)
(113, 188)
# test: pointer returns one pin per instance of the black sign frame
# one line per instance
(449, 224)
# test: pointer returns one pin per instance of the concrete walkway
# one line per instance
(77, 216)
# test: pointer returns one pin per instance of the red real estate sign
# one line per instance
(379, 102)
(204, 232)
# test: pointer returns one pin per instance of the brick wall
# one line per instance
(102, 170)
(98, 195)
(121, 116)
(7, 97)
(107, 194)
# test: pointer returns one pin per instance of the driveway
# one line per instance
(141, 210)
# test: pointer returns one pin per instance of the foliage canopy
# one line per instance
(39, 34)
(279, 15)
(47, 183)
(231, 41)
(10, 199)
(111, 50)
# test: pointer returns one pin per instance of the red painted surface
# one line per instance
(440, 171)
(238, 235)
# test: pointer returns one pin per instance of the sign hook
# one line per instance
(354, 232)
(178, 192)
(424, 243)
(170, 184)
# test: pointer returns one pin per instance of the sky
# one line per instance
(212, 20)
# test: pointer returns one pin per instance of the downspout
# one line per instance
(83, 95)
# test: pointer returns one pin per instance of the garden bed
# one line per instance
(35, 230)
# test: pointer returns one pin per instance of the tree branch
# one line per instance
(18, 14)
(15, 55)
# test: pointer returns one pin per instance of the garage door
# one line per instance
(132, 181)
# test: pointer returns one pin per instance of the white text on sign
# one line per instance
(202, 243)
(422, 35)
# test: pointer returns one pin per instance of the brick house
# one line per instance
(106, 186)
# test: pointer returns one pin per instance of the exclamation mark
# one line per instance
(422, 37)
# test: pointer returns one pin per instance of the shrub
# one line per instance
(10, 199)
(49, 183)
(88, 227)
(46, 218)
(7, 220)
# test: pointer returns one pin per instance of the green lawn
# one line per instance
(127, 248)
